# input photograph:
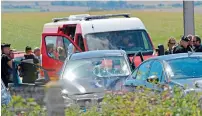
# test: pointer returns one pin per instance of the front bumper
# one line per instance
(82, 102)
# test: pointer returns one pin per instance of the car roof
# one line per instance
(97, 53)
(112, 24)
(177, 56)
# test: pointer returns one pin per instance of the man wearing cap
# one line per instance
(197, 44)
(183, 47)
(6, 63)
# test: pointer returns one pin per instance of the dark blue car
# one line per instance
(183, 70)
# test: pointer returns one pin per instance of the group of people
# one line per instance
(7, 56)
(190, 43)
(60, 55)
(187, 43)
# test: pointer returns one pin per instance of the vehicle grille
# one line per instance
(88, 102)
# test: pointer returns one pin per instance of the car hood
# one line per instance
(188, 83)
(82, 86)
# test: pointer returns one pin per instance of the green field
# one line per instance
(22, 29)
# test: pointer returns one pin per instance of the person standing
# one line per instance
(183, 47)
(27, 70)
(171, 43)
(6, 63)
(11, 56)
(29, 55)
(191, 45)
(197, 43)
(37, 53)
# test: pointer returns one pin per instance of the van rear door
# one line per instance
(55, 48)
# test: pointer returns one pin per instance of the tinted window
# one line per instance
(128, 40)
(189, 67)
(112, 66)
(156, 69)
(143, 71)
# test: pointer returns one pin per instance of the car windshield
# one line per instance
(128, 40)
(97, 67)
(190, 67)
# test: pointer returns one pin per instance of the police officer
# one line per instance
(183, 47)
(197, 44)
(6, 63)
(28, 72)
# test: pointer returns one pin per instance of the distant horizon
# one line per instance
(78, 6)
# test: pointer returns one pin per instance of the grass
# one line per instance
(22, 29)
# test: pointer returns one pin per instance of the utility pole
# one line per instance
(188, 14)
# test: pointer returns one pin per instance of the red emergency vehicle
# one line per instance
(78, 33)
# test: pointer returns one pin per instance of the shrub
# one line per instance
(18, 105)
(142, 102)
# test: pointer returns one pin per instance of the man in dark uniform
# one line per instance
(197, 44)
(183, 47)
(27, 70)
(6, 63)
(29, 55)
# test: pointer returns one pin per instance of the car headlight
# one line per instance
(67, 101)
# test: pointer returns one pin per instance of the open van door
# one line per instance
(55, 48)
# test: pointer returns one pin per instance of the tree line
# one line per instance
(102, 5)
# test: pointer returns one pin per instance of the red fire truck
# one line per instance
(77, 33)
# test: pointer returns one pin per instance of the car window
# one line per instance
(128, 40)
(189, 67)
(143, 71)
(111, 66)
(156, 69)
(57, 47)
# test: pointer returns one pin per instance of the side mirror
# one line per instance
(153, 79)
(160, 50)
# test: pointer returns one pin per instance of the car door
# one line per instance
(140, 75)
(156, 70)
(54, 49)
